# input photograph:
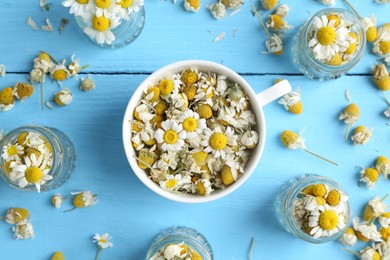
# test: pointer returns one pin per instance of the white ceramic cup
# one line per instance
(257, 102)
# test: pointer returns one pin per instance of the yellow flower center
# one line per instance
(33, 174)
(277, 20)
(6, 96)
(102, 241)
(320, 201)
(385, 232)
(326, 35)
(335, 18)
(288, 137)
(205, 111)
(170, 137)
(125, 3)
(371, 174)
(336, 60)
(188, 76)
(371, 34)
(350, 231)
(44, 56)
(386, 215)
(103, 3)
(161, 107)
(200, 189)
(352, 110)
(319, 190)
(57, 256)
(148, 157)
(20, 214)
(166, 86)
(333, 198)
(376, 256)
(308, 190)
(199, 158)
(83, 2)
(194, 3)
(190, 124)
(171, 183)
(328, 220)
(190, 91)
(226, 175)
(384, 47)
(218, 141)
(12, 150)
(22, 138)
(156, 93)
(78, 201)
(59, 75)
(101, 23)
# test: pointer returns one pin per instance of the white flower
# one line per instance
(245, 120)
(271, 24)
(348, 239)
(193, 125)
(89, 199)
(327, 40)
(32, 172)
(87, 84)
(290, 99)
(54, 70)
(367, 254)
(78, 8)
(368, 179)
(173, 182)
(74, 67)
(282, 10)
(274, 44)
(218, 10)
(383, 36)
(172, 251)
(64, 97)
(369, 22)
(328, 2)
(43, 65)
(331, 227)
(103, 241)
(108, 8)
(189, 7)
(249, 139)
(12, 152)
(36, 76)
(311, 203)
(23, 230)
(366, 229)
(57, 200)
(361, 137)
(15, 215)
(2, 70)
(384, 220)
(145, 113)
(179, 101)
(100, 29)
(171, 136)
(377, 206)
(217, 142)
(128, 7)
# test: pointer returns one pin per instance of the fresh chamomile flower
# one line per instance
(374, 208)
(128, 7)
(12, 152)
(361, 135)
(193, 125)
(249, 139)
(43, 62)
(218, 10)
(381, 45)
(23, 90)
(369, 253)
(217, 142)
(171, 136)
(349, 237)
(6, 99)
(16, 215)
(276, 23)
(282, 10)
(87, 84)
(382, 164)
(23, 230)
(268, 4)
(203, 187)
(83, 199)
(292, 102)
(312, 203)
(2, 70)
(172, 182)
(381, 77)
(325, 222)
(103, 242)
(370, 28)
(369, 176)
(106, 8)
(192, 5)
(327, 40)
(350, 116)
(100, 28)
(77, 7)
(232, 4)
(33, 171)
(57, 200)
(384, 220)
(63, 97)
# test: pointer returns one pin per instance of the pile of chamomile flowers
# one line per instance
(193, 132)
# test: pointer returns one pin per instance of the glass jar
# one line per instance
(177, 235)
(125, 33)
(312, 68)
(63, 156)
(291, 191)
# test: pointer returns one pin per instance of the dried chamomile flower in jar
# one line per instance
(23, 90)
(6, 99)
(381, 45)
(87, 84)
(269, 4)
(16, 215)
(369, 176)
(381, 77)
(370, 26)
(361, 135)
(292, 102)
(350, 115)
(218, 10)
(192, 5)
(382, 164)
(232, 4)
(349, 237)
(366, 230)
(282, 10)
(63, 97)
(374, 208)
(57, 256)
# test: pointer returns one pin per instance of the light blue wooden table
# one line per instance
(127, 209)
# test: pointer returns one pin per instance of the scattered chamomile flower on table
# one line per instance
(15, 215)
(367, 253)
(47, 27)
(87, 84)
(7, 99)
(74, 67)
(32, 24)
(103, 242)
(2, 70)
(269, 4)
(382, 164)
(59, 72)
(369, 176)
(294, 141)
(366, 231)
(57, 256)
(282, 10)
(381, 45)
(374, 208)
(23, 230)
(350, 116)
(232, 4)
(57, 200)
(370, 26)
(276, 23)
(192, 5)
(22, 90)
(83, 199)
(292, 101)
(361, 135)
(218, 10)
(384, 220)
(381, 77)
(63, 97)
(349, 238)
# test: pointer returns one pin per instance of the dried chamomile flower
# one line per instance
(276, 23)
(385, 233)
(57, 256)
(57, 200)
(381, 45)
(350, 115)
(60, 72)
(6, 99)
(282, 10)
(382, 164)
(366, 231)
(63, 97)
(15, 215)
(83, 199)
(249, 139)
(292, 102)
(23, 90)
(294, 141)
(23, 230)
(367, 253)
(43, 62)
(374, 208)
(361, 135)
(87, 84)
(2, 70)
(32, 24)
(47, 27)
(218, 10)
(384, 220)
(36, 76)
(369, 176)
(370, 27)
(192, 5)
(176, 251)
(203, 187)
(74, 66)
(349, 237)
(381, 77)
(268, 4)
(232, 4)
(103, 242)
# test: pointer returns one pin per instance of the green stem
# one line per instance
(69, 210)
(251, 248)
(353, 9)
(98, 253)
(143, 162)
(85, 66)
(261, 20)
(352, 252)
(42, 101)
(385, 197)
(347, 132)
(319, 156)
(387, 101)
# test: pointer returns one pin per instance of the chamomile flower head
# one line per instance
(382, 164)
(103, 241)
(327, 40)
(63, 97)
(274, 44)
(74, 66)
(172, 182)
(232, 4)
(16, 215)
(43, 62)
(57, 256)
(361, 135)
(312, 203)
(381, 77)
(127, 7)
(36, 76)
(292, 140)
(12, 152)
(218, 10)
(171, 136)
(349, 237)
(33, 171)
(167, 161)
(276, 23)
(369, 253)
(370, 27)
(77, 7)
(249, 139)
(217, 142)
(350, 115)
(60, 72)
(87, 84)
(374, 208)
(192, 5)
(369, 176)
(282, 10)
(384, 220)
(325, 222)
(268, 4)
(57, 200)
(23, 230)
(7, 99)
(108, 8)
(193, 125)
(23, 90)
(84, 199)
(292, 102)
(100, 28)
(203, 187)
(381, 45)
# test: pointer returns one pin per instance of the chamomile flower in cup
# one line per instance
(36, 158)
(329, 44)
(314, 208)
(180, 242)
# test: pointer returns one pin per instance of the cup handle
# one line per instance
(274, 92)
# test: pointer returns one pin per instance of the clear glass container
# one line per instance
(312, 68)
(284, 206)
(179, 234)
(63, 154)
(125, 33)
